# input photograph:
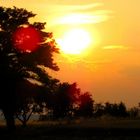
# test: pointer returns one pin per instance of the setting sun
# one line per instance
(74, 41)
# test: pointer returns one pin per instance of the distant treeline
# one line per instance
(64, 100)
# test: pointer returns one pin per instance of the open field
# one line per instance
(80, 129)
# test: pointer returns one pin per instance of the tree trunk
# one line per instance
(24, 123)
(9, 117)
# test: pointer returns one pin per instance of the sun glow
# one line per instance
(74, 41)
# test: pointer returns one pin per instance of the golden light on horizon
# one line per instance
(74, 41)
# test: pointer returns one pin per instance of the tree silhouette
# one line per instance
(85, 108)
(25, 111)
(116, 110)
(15, 64)
(122, 111)
(98, 109)
(65, 100)
(26, 102)
(133, 112)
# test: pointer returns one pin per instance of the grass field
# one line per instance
(80, 129)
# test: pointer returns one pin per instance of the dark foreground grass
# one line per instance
(86, 130)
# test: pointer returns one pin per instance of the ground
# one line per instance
(79, 129)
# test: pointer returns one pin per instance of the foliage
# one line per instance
(14, 64)
(65, 99)
(112, 109)
(85, 105)
(134, 112)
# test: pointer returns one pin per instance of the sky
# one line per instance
(110, 66)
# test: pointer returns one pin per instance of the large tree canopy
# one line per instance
(17, 64)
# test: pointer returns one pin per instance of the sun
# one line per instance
(74, 41)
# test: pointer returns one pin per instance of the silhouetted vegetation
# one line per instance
(134, 112)
(64, 100)
(16, 66)
(111, 109)
(85, 105)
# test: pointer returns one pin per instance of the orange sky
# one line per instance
(110, 68)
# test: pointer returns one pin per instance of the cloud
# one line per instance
(66, 8)
(80, 14)
(82, 19)
(112, 47)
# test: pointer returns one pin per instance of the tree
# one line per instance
(98, 109)
(122, 111)
(85, 108)
(116, 110)
(17, 61)
(25, 111)
(65, 100)
(134, 112)
(26, 102)
(37, 98)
